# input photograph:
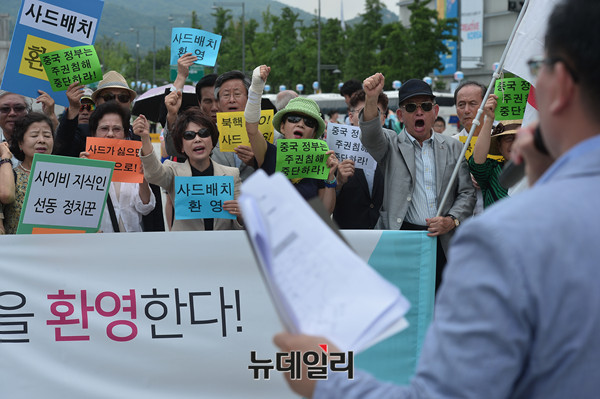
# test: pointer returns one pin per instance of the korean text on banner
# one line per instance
(202, 197)
(75, 64)
(512, 97)
(202, 44)
(232, 129)
(302, 158)
(124, 153)
(345, 141)
(65, 193)
(43, 27)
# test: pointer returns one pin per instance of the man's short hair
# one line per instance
(440, 119)
(350, 87)
(229, 76)
(469, 83)
(283, 98)
(205, 81)
(359, 97)
(576, 45)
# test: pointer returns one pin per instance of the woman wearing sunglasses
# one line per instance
(300, 119)
(127, 202)
(194, 135)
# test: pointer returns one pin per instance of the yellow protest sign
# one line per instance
(232, 129)
(31, 63)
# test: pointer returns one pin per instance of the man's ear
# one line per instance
(564, 88)
(399, 114)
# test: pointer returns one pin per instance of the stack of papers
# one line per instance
(318, 284)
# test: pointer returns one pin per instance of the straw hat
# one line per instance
(502, 129)
(302, 106)
(113, 79)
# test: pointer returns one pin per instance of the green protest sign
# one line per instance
(512, 98)
(65, 195)
(74, 64)
(302, 158)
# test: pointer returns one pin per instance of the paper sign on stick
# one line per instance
(74, 64)
(345, 141)
(512, 98)
(202, 197)
(302, 158)
(65, 193)
(202, 44)
(232, 129)
(43, 27)
(124, 153)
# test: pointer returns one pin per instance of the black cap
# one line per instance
(413, 88)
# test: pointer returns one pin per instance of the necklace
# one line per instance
(24, 168)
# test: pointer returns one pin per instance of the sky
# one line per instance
(331, 8)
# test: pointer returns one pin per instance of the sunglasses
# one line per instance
(308, 121)
(123, 98)
(19, 109)
(412, 107)
(191, 135)
(88, 107)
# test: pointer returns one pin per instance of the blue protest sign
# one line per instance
(43, 27)
(202, 44)
(202, 197)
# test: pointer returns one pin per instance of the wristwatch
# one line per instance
(5, 160)
(455, 220)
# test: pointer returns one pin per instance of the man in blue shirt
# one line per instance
(518, 313)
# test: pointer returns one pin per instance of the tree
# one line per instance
(114, 56)
(414, 52)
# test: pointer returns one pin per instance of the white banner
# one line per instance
(167, 315)
(471, 34)
(345, 141)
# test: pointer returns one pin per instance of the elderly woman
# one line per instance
(127, 202)
(194, 135)
(498, 141)
(300, 119)
(32, 134)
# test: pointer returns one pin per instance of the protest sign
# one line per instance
(74, 64)
(512, 98)
(302, 158)
(65, 193)
(202, 197)
(124, 153)
(202, 44)
(232, 129)
(43, 27)
(345, 141)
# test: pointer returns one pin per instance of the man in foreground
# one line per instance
(518, 315)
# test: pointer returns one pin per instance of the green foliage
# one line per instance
(289, 45)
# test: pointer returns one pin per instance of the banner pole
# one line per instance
(476, 122)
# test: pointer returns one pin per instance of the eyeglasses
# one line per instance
(19, 109)
(535, 64)
(88, 107)
(123, 98)
(412, 107)
(308, 121)
(104, 130)
(191, 135)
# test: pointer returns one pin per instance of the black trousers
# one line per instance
(440, 262)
